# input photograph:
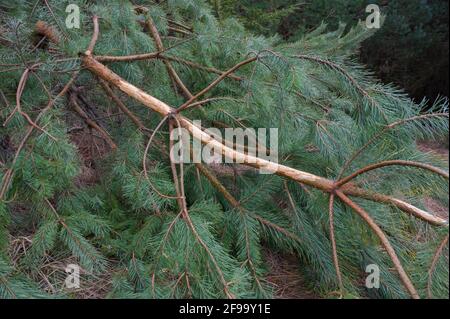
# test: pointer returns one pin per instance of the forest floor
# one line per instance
(286, 278)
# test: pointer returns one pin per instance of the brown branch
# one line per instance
(121, 105)
(315, 181)
(159, 45)
(161, 55)
(200, 67)
(381, 133)
(144, 162)
(178, 30)
(392, 163)
(180, 199)
(351, 190)
(128, 58)
(94, 38)
(384, 241)
(334, 246)
(91, 122)
(180, 25)
(20, 88)
(436, 257)
(215, 83)
(9, 174)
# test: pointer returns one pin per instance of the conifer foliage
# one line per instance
(87, 177)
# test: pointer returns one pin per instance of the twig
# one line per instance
(159, 45)
(18, 108)
(384, 241)
(181, 200)
(200, 67)
(334, 246)
(436, 257)
(121, 105)
(392, 163)
(94, 38)
(9, 174)
(215, 83)
(144, 161)
(381, 133)
(92, 123)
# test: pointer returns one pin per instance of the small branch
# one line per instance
(351, 190)
(206, 101)
(92, 123)
(215, 83)
(381, 133)
(18, 108)
(334, 246)
(128, 58)
(235, 203)
(94, 38)
(436, 257)
(180, 25)
(201, 67)
(6, 181)
(392, 163)
(181, 200)
(121, 105)
(159, 45)
(218, 185)
(384, 241)
(161, 55)
(144, 161)
(178, 30)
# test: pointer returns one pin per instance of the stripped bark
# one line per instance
(315, 181)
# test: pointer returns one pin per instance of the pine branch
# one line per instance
(91, 123)
(434, 262)
(122, 106)
(9, 174)
(333, 245)
(303, 177)
(372, 167)
(215, 83)
(387, 128)
(159, 45)
(384, 241)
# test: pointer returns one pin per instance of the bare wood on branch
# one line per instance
(300, 176)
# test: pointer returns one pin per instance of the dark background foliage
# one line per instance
(411, 49)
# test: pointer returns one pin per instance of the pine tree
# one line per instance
(86, 173)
